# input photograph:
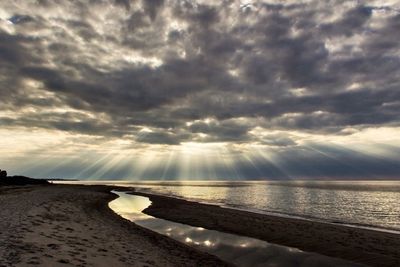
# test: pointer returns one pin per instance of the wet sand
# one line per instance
(66, 225)
(61, 225)
(358, 245)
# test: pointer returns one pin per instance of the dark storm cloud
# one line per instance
(124, 3)
(151, 7)
(353, 21)
(221, 131)
(14, 53)
(317, 67)
(20, 19)
(66, 121)
(160, 138)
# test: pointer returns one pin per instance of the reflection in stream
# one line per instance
(242, 251)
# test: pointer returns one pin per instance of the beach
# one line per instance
(60, 225)
(373, 248)
(65, 225)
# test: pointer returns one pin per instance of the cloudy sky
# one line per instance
(168, 89)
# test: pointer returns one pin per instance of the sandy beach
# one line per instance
(363, 246)
(59, 225)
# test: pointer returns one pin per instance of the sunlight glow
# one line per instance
(96, 158)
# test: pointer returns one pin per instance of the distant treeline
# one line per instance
(19, 180)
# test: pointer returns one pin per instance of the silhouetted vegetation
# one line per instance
(19, 180)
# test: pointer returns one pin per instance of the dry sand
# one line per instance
(59, 225)
(358, 245)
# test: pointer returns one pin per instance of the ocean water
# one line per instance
(359, 203)
(240, 250)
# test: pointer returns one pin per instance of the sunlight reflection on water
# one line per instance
(241, 251)
(367, 203)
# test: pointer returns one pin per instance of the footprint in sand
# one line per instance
(53, 246)
(63, 261)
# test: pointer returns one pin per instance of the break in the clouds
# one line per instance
(200, 89)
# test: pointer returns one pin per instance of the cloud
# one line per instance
(196, 71)
(159, 138)
(223, 131)
(201, 61)
(278, 140)
(20, 19)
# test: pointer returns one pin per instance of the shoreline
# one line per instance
(371, 227)
(305, 218)
(64, 225)
(140, 186)
(57, 225)
(365, 246)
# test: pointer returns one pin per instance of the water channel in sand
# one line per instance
(239, 250)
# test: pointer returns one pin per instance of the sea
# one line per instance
(239, 250)
(365, 204)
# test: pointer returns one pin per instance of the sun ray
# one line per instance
(338, 160)
(273, 162)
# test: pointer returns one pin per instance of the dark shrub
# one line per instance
(3, 174)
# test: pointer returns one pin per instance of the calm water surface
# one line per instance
(239, 250)
(367, 203)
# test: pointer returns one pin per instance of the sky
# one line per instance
(205, 90)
